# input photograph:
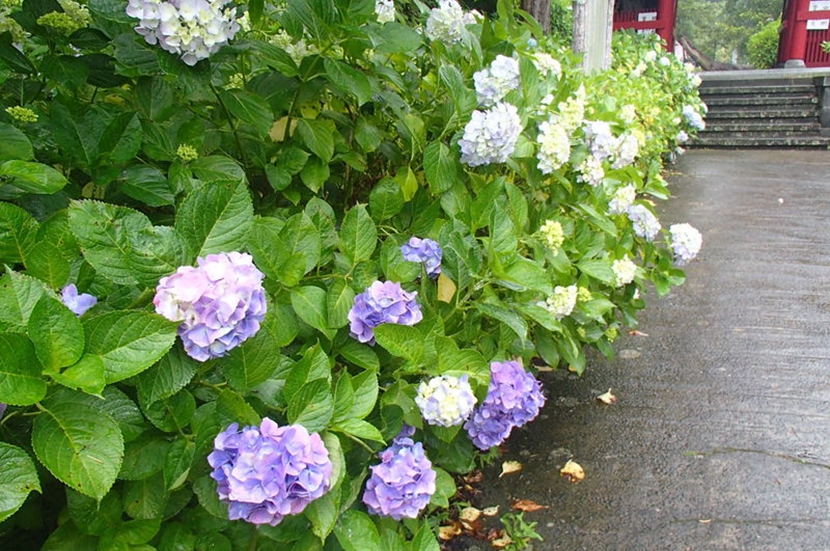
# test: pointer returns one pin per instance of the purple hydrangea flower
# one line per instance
(268, 472)
(401, 485)
(514, 398)
(78, 303)
(425, 251)
(220, 303)
(382, 303)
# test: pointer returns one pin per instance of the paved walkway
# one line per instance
(720, 439)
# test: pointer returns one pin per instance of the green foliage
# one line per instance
(519, 531)
(319, 141)
(762, 47)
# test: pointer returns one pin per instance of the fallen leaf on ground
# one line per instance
(636, 333)
(502, 541)
(572, 471)
(474, 477)
(607, 398)
(469, 514)
(446, 533)
(491, 511)
(510, 467)
(705, 520)
(527, 505)
(544, 369)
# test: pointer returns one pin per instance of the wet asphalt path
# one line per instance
(720, 438)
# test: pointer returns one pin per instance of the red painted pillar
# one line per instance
(667, 13)
(795, 46)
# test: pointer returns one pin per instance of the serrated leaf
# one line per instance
(144, 456)
(215, 218)
(154, 98)
(82, 448)
(128, 341)
(253, 363)
(57, 334)
(356, 532)
(318, 136)
(322, 513)
(312, 406)
(87, 375)
(218, 169)
(339, 301)
(166, 377)
(18, 295)
(358, 235)
(343, 397)
(359, 429)
(359, 354)
(401, 340)
(348, 80)
(147, 184)
(17, 479)
(177, 463)
(46, 262)
(21, 383)
(249, 108)
(145, 499)
(598, 269)
(310, 305)
(171, 414)
(508, 317)
(231, 407)
(365, 394)
(121, 139)
(18, 232)
(15, 144)
(385, 200)
(440, 167)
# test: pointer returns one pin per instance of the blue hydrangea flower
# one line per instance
(78, 303)
(220, 303)
(491, 135)
(385, 302)
(401, 485)
(268, 472)
(514, 398)
(446, 400)
(425, 251)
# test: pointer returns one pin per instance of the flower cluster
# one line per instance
(693, 117)
(192, 29)
(385, 302)
(553, 234)
(554, 146)
(572, 111)
(491, 135)
(446, 400)
(514, 398)
(402, 484)
(600, 140)
(494, 82)
(21, 114)
(446, 22)
(425, 251)
(591, 171)
(685, 242)
(562, 302)
(220, 303)
(385, 10)
(73, 17)
(623, 199)
(546, 64)
(268, 472)
(626, 150)
(645, 223)
(78, 303)
(624, 271)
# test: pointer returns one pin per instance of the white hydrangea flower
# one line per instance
(624, 271)
(446, 400)
(650, 55)
(638, 70)
(664, 61)
(591, 171)
(562, 302)
(572, 111)
(191, 29)
(693, 117)
(297, 49)
(554, 146)
(626, 150)
(646, 225)
(495, 81)
(600, 139)
(628, 114)
(685, 242)
(446, 22)
(546, 64)
(623, 199)
(490, 136)
(682, 137)
(553, 234)
(385, 10)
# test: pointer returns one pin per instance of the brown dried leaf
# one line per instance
(572, 471)
(510, 467)
(491, 511)
(446, 533)
(474, 477)
(527, 505)
(637, 333)
(502, 541)
(607, 398)
(469, 514)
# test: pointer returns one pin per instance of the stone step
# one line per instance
(808, 141)
(707, 89)
(764, 125)
(760, 133)
(766, 113)
(760, 100)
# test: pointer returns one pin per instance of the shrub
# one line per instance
(762, 47)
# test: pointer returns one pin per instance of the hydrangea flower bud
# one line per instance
(268, 472)
(546, 64)
(514, 398)
(491, 135)
(591, 171)
(446, 400)
(646, 225)
(78, 303)
(425, 251)
(385, 302)
(220, 303)
(553, 234)
(685, 242)
(402, 484)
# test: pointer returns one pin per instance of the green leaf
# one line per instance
(444, 489)
(275, 57)
(87, 375)
(365, 394)
(218, 169)
(401, 340)
(17, 478)
(396, 38)
(249, 108)
(407, 181)
(154, 98)
(598, 269)
(231, 407)
(311, 305)
(18, 295)
(359, 429)
(144, 456)
(315, 173)
(339, 301)
(318, 136)
(46, 262)
(12, 57)
(322, 513)
(32, 177)
(21, 383)
(440, 167)
(205, 489)
(358, 235)
(76, 134)
(356, 532)
(121, 139)
(359, 354)
(215, 218)
(385, 200)
(57, 334)
(82, 448)
(171, 414)
(425, 540)
(348, 80)
(343, 397)
(177, 463)
(18, 231)
(147, 184)
(166, 377)
(15, 144)
(128, 341)
(254, 362)
(145, 499)
(312, 406)
(507, 316)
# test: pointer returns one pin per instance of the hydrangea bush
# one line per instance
(273, 272)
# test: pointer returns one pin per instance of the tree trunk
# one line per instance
(540, 10)
(579, 44)
(593, 24)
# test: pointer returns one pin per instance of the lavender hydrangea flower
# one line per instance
(693, 117)
(491, 135)
(645, 223)
(601, 141)
(446, 400)
(401, 485)
(268, 472)
(685, 242)
(382, 302)
(425, 251)
(220, 303)
(494, 82)
(514, 398)
(78, 303)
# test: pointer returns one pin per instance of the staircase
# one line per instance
(778, 108)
